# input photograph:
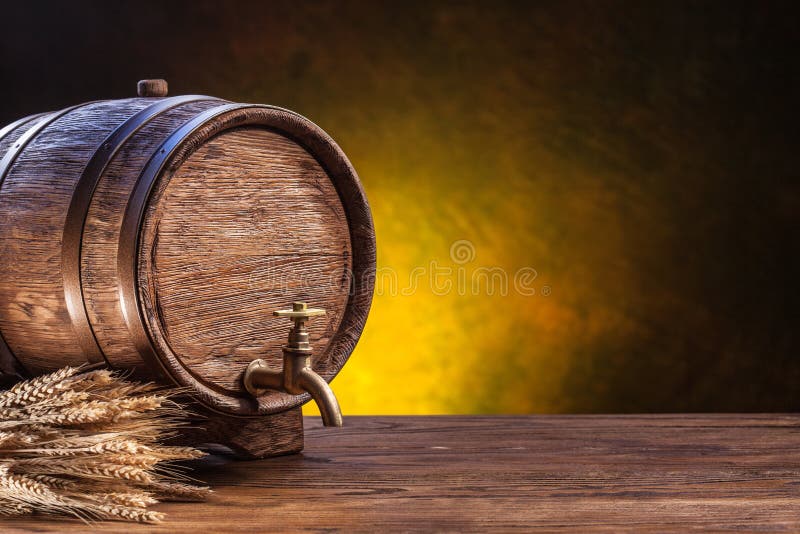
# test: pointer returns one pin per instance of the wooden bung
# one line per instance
(158, 234)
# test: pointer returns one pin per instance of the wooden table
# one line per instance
(603, 473)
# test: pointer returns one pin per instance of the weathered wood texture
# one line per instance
(352, 270)
(101, 235)
(659, 473)
(34, 198)
(248, 437)
(248, 224)
(158, 235)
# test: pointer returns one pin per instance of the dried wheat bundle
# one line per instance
(90, 445)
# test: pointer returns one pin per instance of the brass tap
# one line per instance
(297, 376)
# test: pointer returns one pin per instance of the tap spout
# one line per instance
(296, 378)
(323, 395)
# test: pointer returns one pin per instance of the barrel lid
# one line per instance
(247, 210)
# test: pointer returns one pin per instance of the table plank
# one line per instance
(465, 473)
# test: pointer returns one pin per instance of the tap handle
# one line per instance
(299, 313)
(299, 339)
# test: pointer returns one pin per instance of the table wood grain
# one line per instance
(464, 473)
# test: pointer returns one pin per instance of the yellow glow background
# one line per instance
(639, 156)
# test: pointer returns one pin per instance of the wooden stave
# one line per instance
(9, 158)
(11, 369)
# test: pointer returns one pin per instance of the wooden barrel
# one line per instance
(158, 235)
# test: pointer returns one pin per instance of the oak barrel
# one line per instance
(157, 234)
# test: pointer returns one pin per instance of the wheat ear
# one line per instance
(88, 445)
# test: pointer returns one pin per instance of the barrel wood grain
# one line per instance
(101, 235)
(167, 163)
(34, 199)
(624, 473)
(247, 438)
(271, 229)
(11, 369)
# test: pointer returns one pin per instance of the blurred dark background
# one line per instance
(640, 156)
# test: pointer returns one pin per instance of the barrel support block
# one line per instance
(249, 438)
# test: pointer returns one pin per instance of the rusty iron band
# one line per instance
(5, 166)
(79, 209)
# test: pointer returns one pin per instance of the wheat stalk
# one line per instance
(89, 445)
